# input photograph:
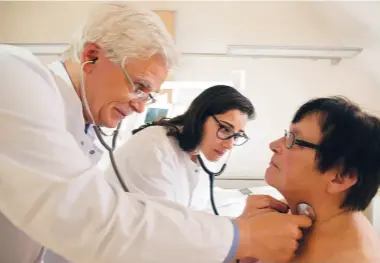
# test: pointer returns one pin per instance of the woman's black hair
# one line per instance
(188, 127)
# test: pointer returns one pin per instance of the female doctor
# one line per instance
(170, 168)
(51, 192)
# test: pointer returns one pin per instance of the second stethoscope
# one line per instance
(211, 176)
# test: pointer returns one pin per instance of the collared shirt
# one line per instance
(51, 190)
(83, 133)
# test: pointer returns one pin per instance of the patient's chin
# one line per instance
(273, 181)
(270, 177)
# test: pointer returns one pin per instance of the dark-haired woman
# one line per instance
(161, 160)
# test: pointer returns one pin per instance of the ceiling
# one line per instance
(356, 24)
(210, 26)
(323, 23)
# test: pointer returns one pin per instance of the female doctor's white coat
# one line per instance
(152, 163)
(51, 190)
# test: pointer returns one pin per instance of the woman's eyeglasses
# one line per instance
(291, 140)
(225, 133)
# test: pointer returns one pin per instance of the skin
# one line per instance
(108, 91)
(337, 235)
(211, 146)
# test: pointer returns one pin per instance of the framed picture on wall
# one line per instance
(154, 112)
(157, 112)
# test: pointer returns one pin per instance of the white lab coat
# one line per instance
(152, 163)
(51, 190)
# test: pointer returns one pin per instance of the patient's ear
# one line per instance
(339, 183)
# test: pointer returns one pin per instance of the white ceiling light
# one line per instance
(335, 54)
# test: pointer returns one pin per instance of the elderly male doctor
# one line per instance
(52, 194)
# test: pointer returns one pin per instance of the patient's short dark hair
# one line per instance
(350, 141)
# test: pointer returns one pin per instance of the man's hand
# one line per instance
(259, 204)
(248, 260)
(270, 236)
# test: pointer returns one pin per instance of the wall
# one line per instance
(359, 24)
(276, 87)
(246, 21)
(2, 19)
(47, 22)
(375, 213)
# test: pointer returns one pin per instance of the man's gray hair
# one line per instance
(123, 30)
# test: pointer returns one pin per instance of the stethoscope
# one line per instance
(99, 134)
(111, 150)
(98, 131)
(211, 176)
(302, 208)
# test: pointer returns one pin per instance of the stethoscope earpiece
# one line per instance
(93, 60)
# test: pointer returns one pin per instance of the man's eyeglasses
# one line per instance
(291, 140)
(139, 91)
(225, 133)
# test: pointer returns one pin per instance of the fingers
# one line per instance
(298, 234)
(248, 260)
(302, 221)
(248, 214)
(266, 201)
(278, 205)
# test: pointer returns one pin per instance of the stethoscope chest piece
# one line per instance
(307, 210)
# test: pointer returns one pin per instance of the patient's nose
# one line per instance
(276, 146)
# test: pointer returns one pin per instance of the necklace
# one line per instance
(331, 217)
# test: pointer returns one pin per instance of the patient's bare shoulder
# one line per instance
(352, 240)
(352, 256)
(356, 256)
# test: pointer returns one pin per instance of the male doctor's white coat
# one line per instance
(50, 188)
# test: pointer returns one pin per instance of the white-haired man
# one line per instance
(50, 188)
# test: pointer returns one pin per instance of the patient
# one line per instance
(330, 159)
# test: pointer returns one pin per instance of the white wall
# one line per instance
(3, 6)
(359, 24)
(276, 87)
(209, 26)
